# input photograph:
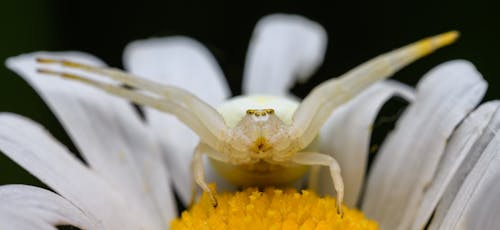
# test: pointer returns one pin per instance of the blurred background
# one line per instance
(357, 31)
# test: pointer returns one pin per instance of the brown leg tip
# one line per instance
(340, 212)
(215, 203)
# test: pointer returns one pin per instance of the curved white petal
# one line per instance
(26, 207)
(106, 130)
(346, 136)
(462, 151)
(283, 49)
(185, 63)
(30, 146)
(471, 199)
(410, 155)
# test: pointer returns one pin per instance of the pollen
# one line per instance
(270, 208)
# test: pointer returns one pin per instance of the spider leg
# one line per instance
(198, 171)
(203, 111)
(194, 188)
(319, 104)
(123, 77)
(315, 159)
(183, 113)
(199, 174)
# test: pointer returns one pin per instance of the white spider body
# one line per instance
(260, 131)
(258, 140)
(259, 128)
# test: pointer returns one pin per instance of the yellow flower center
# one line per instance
(270, 209)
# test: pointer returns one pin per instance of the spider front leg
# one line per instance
(315, 159)
(315, 109)
(200, 117)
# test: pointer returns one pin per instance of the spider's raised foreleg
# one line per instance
(196, 114)
(319, 104)
(180, 96)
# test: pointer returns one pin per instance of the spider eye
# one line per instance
(269, 111)
(260, 112)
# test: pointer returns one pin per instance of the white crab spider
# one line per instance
(269, 142)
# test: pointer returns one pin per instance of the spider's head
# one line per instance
(259, 125)
(259, 131)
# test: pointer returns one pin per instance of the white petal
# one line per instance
(471, 199)
(462, 151)
(283, 49)
(410, 155)
(106, 130)
(187, 64)
(30, 146)
(346, 135)
(14, 220)
(26, 207)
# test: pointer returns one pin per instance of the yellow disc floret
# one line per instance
(270, 209)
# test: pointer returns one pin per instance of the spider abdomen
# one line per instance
(259, 174)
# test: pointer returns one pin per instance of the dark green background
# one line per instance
(357, 31)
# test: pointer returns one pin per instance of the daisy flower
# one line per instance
(437, 169)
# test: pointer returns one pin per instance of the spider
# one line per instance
(263, 145)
